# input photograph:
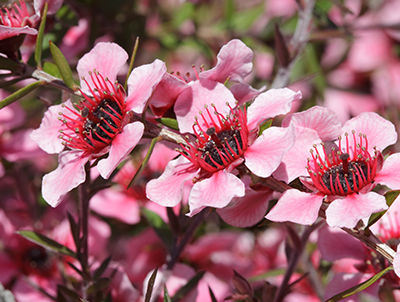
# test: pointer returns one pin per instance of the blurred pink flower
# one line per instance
(223, 141)
(342, 175)
(100, 125)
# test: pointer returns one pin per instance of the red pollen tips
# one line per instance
(100, 119)
(224, 140)
(15, 16)
(346, 169)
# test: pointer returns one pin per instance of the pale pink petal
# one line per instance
(248, 210)
(265, 155)
(53, 6)
(166, 93)
(8, 32)
(334, 244)
(244, 92)
(296, 206)
(216, 191)
(121, 146)
(47, 135)
(348, 211)
(234, 63)
(195, 97)
(114, 204)
(396, 262)
(106, 58)
(322, 120)
(295, 160)
(379, 131)
(390, 173)
(141, 84)
(270, 104)
(69, 174)
(168, 188)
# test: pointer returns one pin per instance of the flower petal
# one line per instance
(265, 155)
(296, 206)
(348, 211)
(322, 120)
(69, 174)
(234, 63)
(195, 97)
(47, 135)
(167, 190)
(53, 6)
(8, 32)
(248, 210)
(244, 92)
(379, 131)
(114, 204)
(166, 94)
(270, 104)
(216, 191)
(390, 173)
(121, 146)
(107, 58)
(141, 84)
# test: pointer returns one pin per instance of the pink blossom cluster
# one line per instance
(201, 186)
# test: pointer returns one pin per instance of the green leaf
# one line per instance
(266, 125)
(212, 296)
(169, 122)
(135, 48)
(150, 285)
(355, 289)
(390, 197)
(184, 290)
(167, 298)
(158, 224)
(145, 161)
(62, 66)
(39, 38)
(52, 69)
(20, 93)
(271, 273)
(46, 242)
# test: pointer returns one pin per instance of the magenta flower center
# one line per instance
(101, 118)
(16, 16)
(223, 141)
(343, 171)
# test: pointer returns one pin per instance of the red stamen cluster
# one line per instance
(100, 118)
(224, 140)
(15, 16)
(343, 171)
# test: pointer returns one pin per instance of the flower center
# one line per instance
(224, 141)
(100, 119)
(15, 16)
(343, 172)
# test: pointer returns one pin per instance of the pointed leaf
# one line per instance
(169, 122)
(68, 293)
(167, 298)
(212, 296)
(150, 285)
(162, 229)
(390, 197)
(355, 289)
(20, 93)
(63, 66)
(282, 53)
(135, 48)
(99, 285)
(145, 161)
(51, 69)
(46, 242)
(241, 284)
(266, 125)
(39, 38)
(184, 290)
(102, 268)
(74, 230)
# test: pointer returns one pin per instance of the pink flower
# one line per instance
(223, 142)
(99, 124)
(234, 63)
(342, 174)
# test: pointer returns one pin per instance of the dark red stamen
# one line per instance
(224, 140)
(343, 171)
